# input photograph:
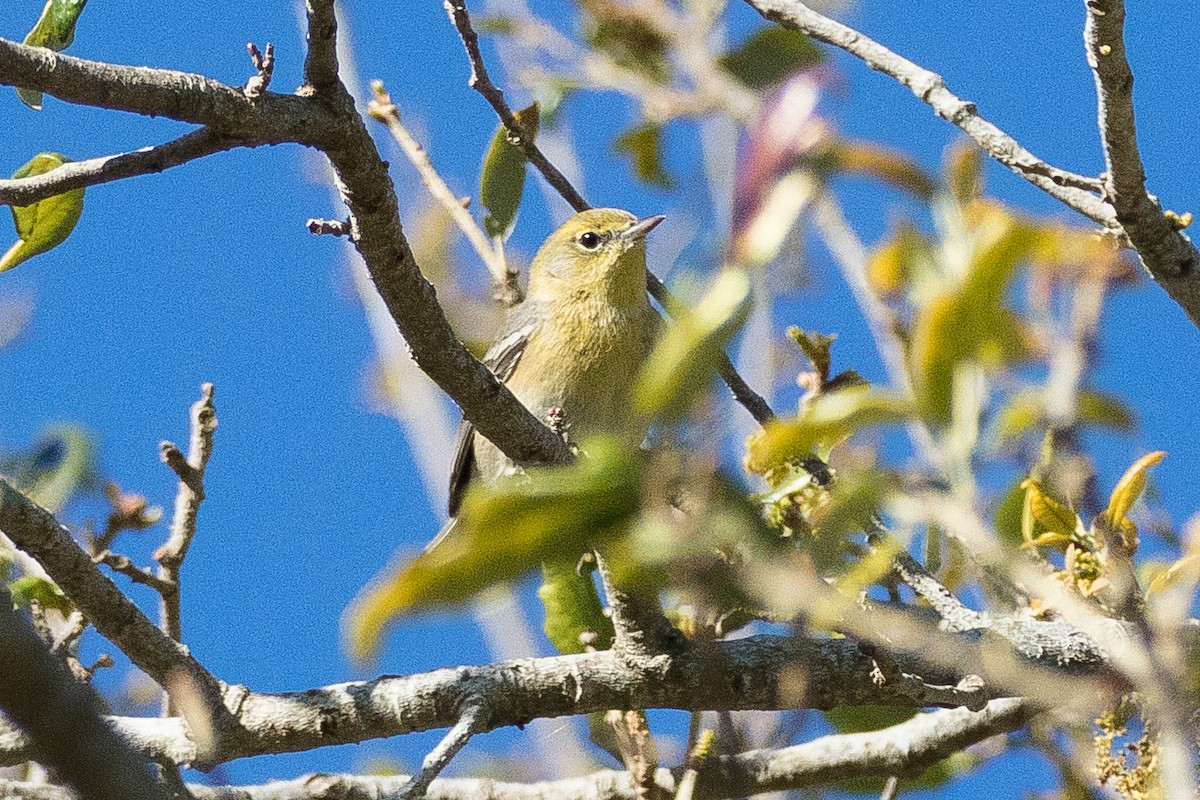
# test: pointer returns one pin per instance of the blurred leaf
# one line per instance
(816, 347)
(1097, 408)
(643, 144)
(872, 160)
(1054, 523)
(860, 719)
(502, 180)
(43, 225)
(61, 463)
(964, 171)
(682, 363)
(1125, 494)
(575, 618)
(502, 532)
(770, 55)
(54, 29)
(1008, 514)
(499, 24)
(626, 36)
(828, 419)
(44, 591)
(895, 260)
(1019, 417)
(969, 323)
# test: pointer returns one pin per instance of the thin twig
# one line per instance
(93, 171)
(121, 564)
(328, 227)
(188, 498)
(890, 788)
(930, 88)
(384, 110)
(1168, 254)
(470, 723)
(264, 66)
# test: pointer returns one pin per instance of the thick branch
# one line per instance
(931, 89)
(904, 749)
(321, 62)
(93, 171)
(1169, 256)
(59, 714)
(182, 96)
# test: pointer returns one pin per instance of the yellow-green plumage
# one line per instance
(583, 331)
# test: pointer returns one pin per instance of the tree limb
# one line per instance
(930, 88)
(904, 749)
(1169, 256)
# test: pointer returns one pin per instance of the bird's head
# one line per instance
(598, 253)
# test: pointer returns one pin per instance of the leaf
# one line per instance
(816, 347)
(828, 419)
(44, 591)
(61, 463)
(502, 180)
(502, 532)
(682, 363)
(1097, 408)
(43, 225)
(871, 160)
(860, 719)
(969, 323)
(1054, 523)
(964, 171)
(54, 29)
(575, 619)
(643, 144)
(1125, 494)
(623, 34)
(893, 263)
(769, 56)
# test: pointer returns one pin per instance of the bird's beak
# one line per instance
(643, 226)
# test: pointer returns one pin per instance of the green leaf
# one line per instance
(575, 619)
(43, 225)
(643, 144)
(682, 363)
(502, 532)
(1097, 408)
(44, 591)
(826, 420)
(1053, 523)
(619, 31)
(860, 719)
(55, 29)
(502, 180)
(769, 56)
(895, 261)
(61, 463)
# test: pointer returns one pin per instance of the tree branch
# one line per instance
(187, 97)
(321, 61)
(904, 749)
(93, 171)
(930, 88)
(59, 714)
(1167, 253)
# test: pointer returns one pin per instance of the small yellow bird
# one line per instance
(577, 341)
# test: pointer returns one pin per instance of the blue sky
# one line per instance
(207, 273)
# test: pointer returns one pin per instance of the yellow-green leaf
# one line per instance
(643, 145)
(1054, 523)
(964, 171)
(1097, 408)
(682, 363)
(1130, 487)
(502, 532)
(575, 619)
(502, 180)
(60, 464)
(816, 346)
(825, 421)
(54, 29)
(894, 262)
(43, 591)
(769, 56)
(43, 225)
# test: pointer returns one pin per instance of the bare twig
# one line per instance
(1168, 254)
(93, 171)
(328, 227)
(1073, 190)
(122, 564)
(505, 279)
(470, 723)
(264, 65)
(59, 715)
(890, 788)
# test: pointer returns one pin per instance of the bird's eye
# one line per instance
(590, 240)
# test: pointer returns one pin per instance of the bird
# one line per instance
(574, 345)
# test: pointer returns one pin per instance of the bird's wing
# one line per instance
(502, 359)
